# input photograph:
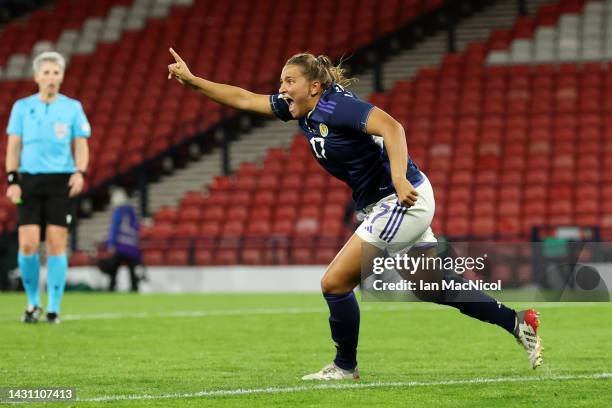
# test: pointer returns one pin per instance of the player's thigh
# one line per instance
(56, 239)
(412, 225)
(29, 238)
(344, 271)
(392, 227)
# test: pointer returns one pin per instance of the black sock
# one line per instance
(481, 306)
(344, 324)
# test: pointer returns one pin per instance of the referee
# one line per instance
(46, 159)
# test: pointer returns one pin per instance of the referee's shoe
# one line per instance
(53, 318)
(32, 315)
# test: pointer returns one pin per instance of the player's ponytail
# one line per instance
(321, 69)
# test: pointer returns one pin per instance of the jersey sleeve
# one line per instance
(80, 126)
(280, 107)
(15, 123)
(350, 112)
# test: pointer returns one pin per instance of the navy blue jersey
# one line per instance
(335, 129)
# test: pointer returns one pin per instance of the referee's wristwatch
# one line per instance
(12, 177)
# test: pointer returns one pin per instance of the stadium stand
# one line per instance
(103, 38)
(280, 218)
(500, 143)
(506, 125)
(511, 138)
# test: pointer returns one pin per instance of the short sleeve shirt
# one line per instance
(47, 131)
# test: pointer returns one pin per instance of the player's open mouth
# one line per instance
(291, 103)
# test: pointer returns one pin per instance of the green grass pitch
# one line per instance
(251, 350)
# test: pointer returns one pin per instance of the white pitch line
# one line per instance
(342, 386)
(217, 312)
(365, 306)
(234, 312)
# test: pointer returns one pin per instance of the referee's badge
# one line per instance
(323, 129)
(61, 130)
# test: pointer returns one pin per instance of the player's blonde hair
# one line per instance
(49, 56)
(321, 69)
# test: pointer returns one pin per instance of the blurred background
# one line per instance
(505, 104)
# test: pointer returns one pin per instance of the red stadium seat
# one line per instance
(209, 229)
(261, 213)
(236, 213)
(291, 181)
(457, 227)
(191, 214)
(232, 228)
(288, 198)
(302, 256)
(258, 228)
(153, 257)
(175, 256)
(268, 182)
(226, 256)
(483, 226)
(323, 255)
(218, 198)
(484, 208)
(316, 181)
(186, 230)
(282, 227)
(312, 197)
(252, 256)
(193, 198)
(203, 257)
(508, 226)
(161, 231)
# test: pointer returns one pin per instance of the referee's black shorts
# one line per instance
(45, 200)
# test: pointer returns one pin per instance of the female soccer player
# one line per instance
(396, 197)
(43, 130)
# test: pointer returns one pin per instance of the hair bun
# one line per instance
(325, 61)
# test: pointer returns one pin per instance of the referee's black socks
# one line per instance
(344, 324)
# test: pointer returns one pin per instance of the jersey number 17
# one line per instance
(318, 147)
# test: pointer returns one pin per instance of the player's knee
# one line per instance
(334, 286)
(327, 285)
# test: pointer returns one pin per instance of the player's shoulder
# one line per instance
(333, 97)
(338, 94)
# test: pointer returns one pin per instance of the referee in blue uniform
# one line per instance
(46, 159)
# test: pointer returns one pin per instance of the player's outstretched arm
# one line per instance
(227, 95)
(382, 124)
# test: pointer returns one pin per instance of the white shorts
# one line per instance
(392, 227)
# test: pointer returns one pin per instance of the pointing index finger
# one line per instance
(176, 56)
